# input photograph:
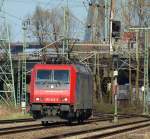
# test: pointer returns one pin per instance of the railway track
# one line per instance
(103, 131)
(31, 120)
(121, 115)
(27, 128)
(38, 127)
(16, 121)
(34, 127)
(95, 114)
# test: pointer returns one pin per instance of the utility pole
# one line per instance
(111, 50)
(115, 86)
(66, 30)
(130, 72)
(24, 87)
(137, 66)
(115, 97)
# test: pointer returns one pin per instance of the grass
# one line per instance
(109, 108)
(104, 107)
(15, 116)
(11, 112)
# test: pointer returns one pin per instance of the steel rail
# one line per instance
(86, 132)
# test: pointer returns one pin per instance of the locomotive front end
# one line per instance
(52, 86)
(51, 91)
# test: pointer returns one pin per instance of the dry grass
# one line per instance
(10, 112)
(104, 107)
(127, 109)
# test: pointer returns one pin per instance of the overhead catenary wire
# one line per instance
(1, 4)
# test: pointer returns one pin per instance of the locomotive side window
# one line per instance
(44, 75)
(61, 76)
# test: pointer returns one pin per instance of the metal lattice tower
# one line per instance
(95, 26)
(24, 86)
(19, 85)
(7, 89)
(107, 3)
(66, 30)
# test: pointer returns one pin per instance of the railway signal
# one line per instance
(116, 29)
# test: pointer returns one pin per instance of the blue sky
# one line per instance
(16, 10)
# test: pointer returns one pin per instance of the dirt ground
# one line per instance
(4, 111)
(143, 133)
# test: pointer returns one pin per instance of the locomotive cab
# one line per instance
(60, 92)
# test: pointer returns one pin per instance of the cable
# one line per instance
(26, 2)
(9, 14)
(1, 4)
(78, 20)
(58, 5)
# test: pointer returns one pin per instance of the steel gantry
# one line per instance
(7, 89)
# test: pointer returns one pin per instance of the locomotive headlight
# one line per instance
(37, 99)
(65, 99)
(52, 86)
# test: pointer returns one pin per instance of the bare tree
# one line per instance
(46, 25)
(135, 13)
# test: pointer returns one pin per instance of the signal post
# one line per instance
(115, 86)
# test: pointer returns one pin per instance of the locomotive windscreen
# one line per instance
(53, 75)
(59, 78)
(44, 75)
(61, 75)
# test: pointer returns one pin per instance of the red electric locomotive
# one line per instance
(61, 91)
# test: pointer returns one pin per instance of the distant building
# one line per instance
(123, 94)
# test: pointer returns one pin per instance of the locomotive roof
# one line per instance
(82, 68)
(79, 67)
